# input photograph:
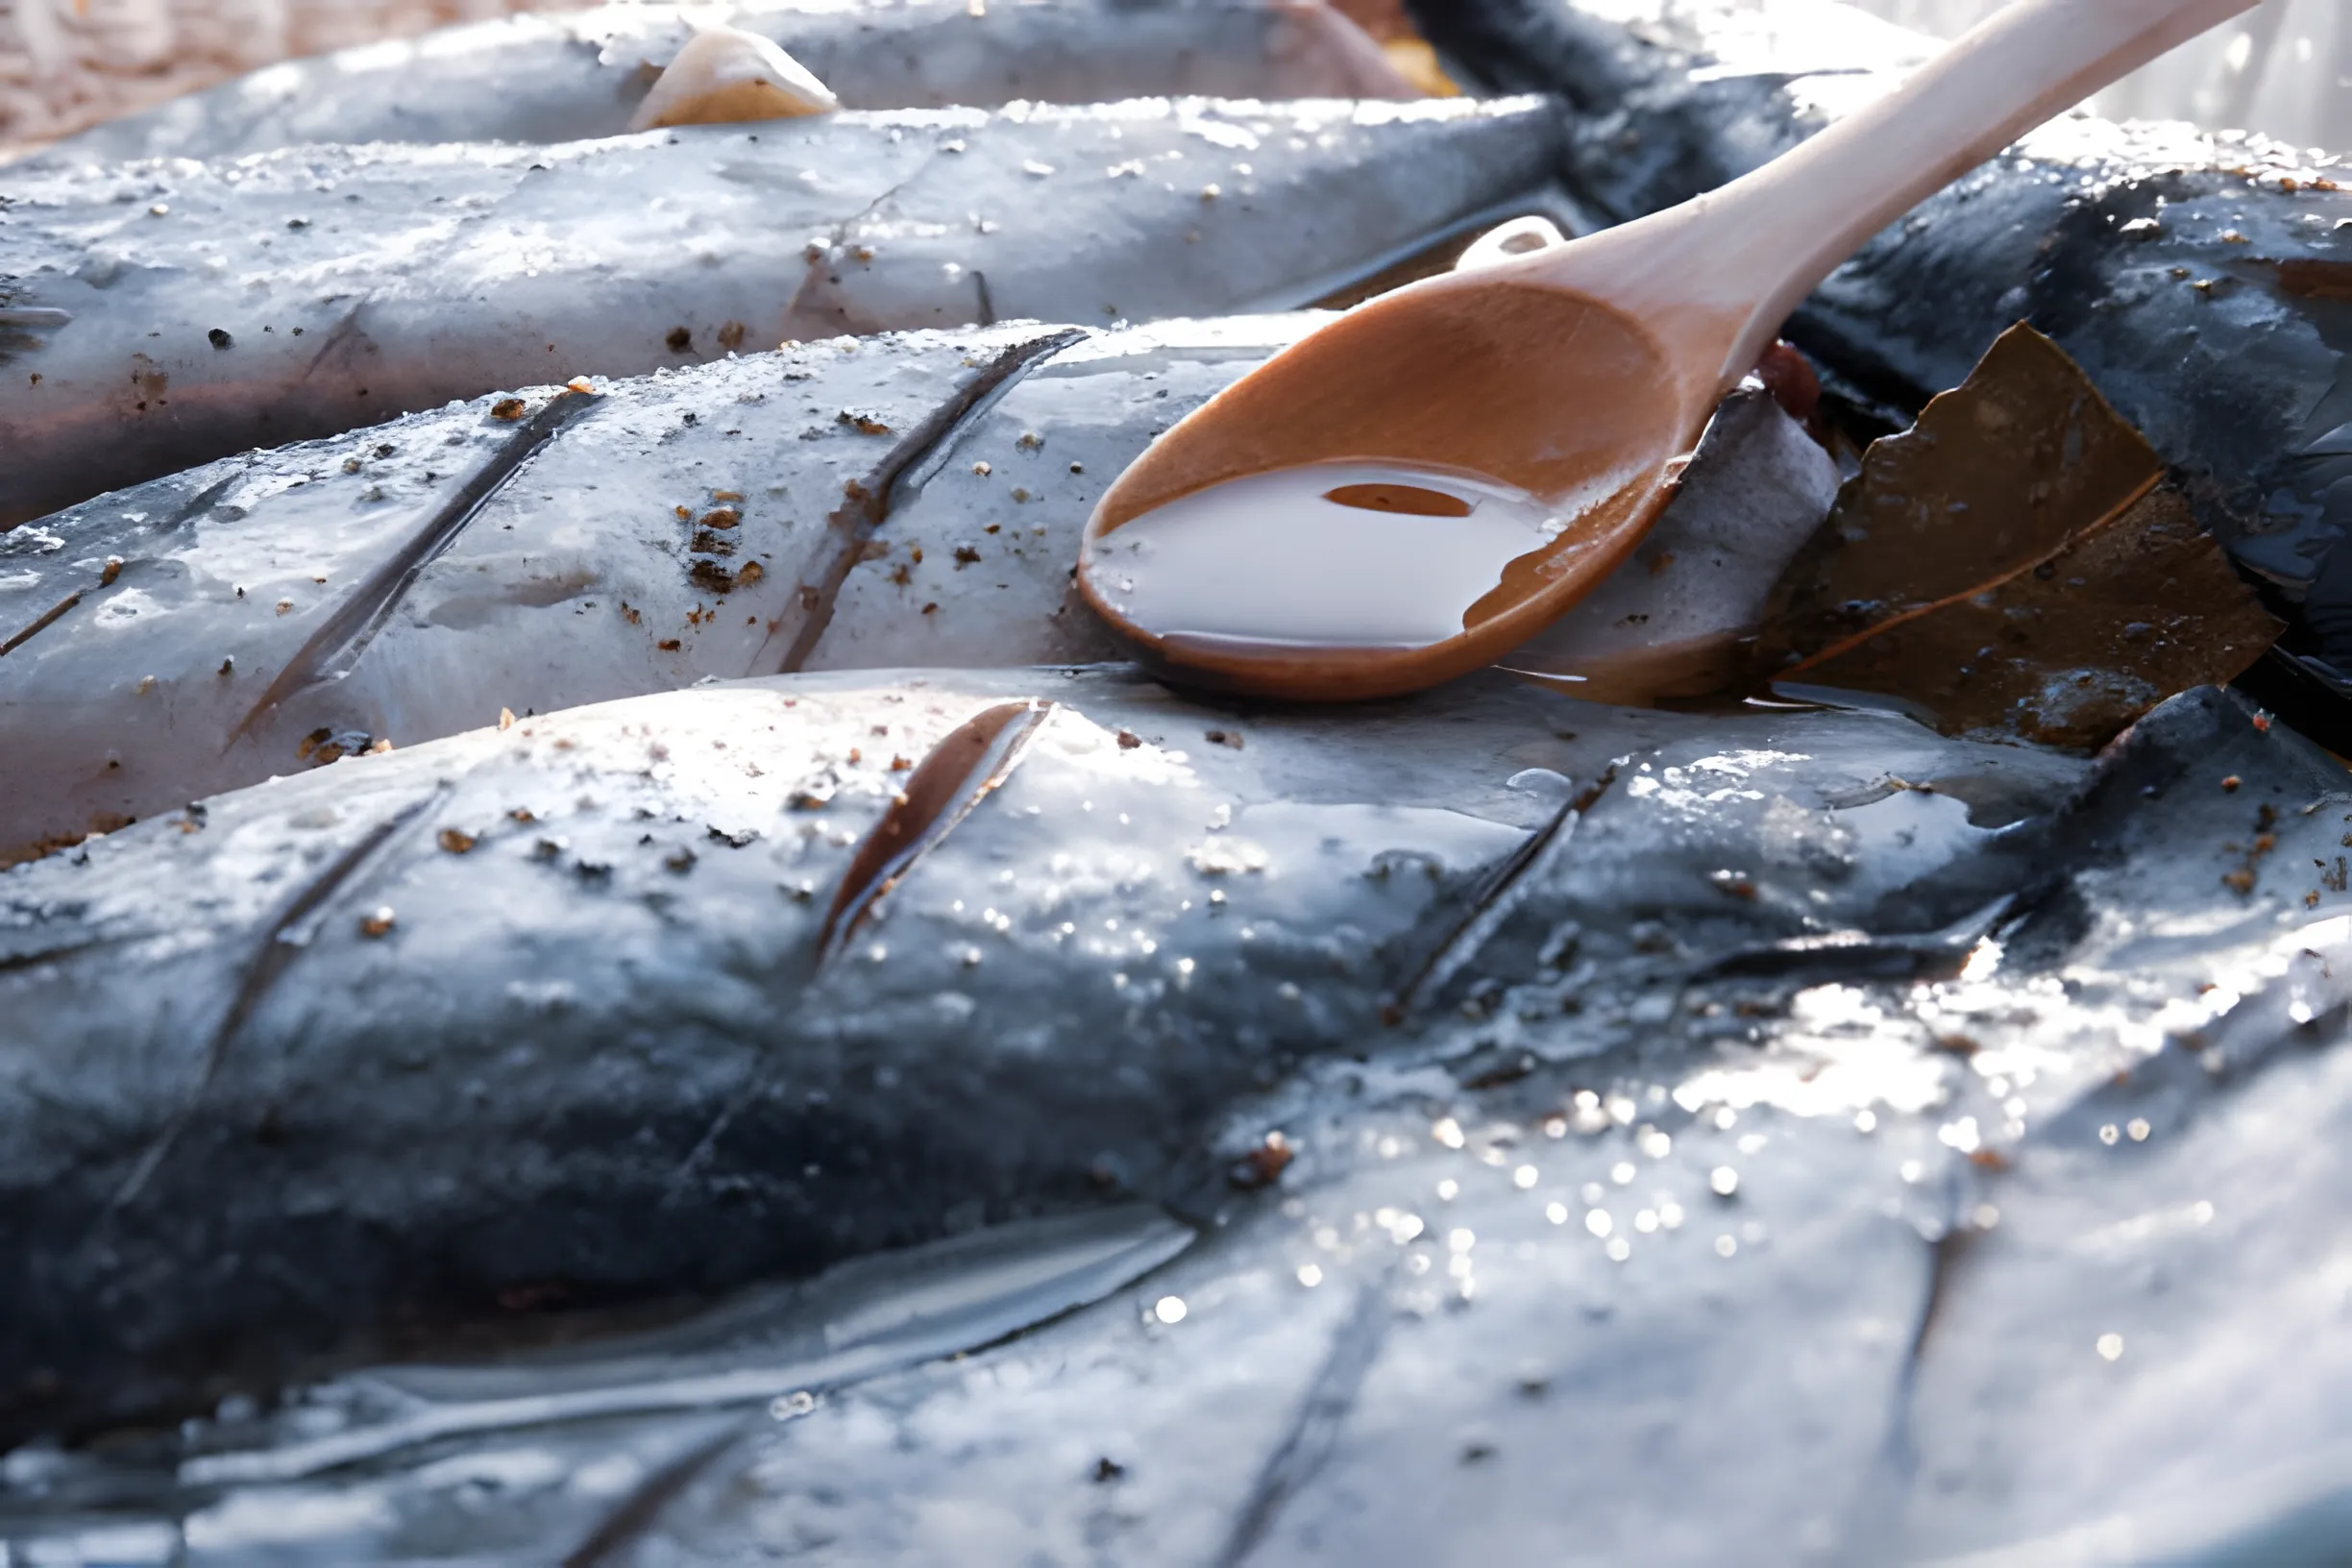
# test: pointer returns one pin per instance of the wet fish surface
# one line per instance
(232, 1031)
(571, 76)
(156, 315)
(2200, 279)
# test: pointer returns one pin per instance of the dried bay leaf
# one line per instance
(2013, 567)
(2071, 651)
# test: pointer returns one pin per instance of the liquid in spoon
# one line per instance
(1337, 554)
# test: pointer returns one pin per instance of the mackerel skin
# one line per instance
(571, 76)
(2201, 279)
(160, 314)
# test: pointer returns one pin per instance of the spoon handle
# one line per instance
(1776, 233)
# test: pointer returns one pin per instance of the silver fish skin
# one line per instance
(853, 504)
(2200, 279)
(572, 76)
(161, 314)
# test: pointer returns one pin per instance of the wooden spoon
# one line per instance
(1501, 437)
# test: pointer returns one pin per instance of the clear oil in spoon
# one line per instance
(1336, 555)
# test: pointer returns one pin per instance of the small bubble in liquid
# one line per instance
(2109, 1133)
(1459, 1240)
(1618, 1248)
(1524, 1177)
(793, 1406)
(1723, 1181)
(1622, 1172)
(1309, 1275)
(1725, 1246)
(1599, 1222)
(2138, 1128)
(1169, 1310)
(1448, 1190)
(1557, 1213)
(2111, 1347)
(1447, 1131)
(1865, 1121)
(1646, 1221)
(1725, 1120)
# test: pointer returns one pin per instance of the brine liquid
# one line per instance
(1330, 555)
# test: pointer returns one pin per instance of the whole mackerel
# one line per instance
(159, 314)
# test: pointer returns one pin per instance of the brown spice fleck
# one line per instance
(110, 570)
(668, 645)
(1263, 1164)
(2229, 785)
(506, 408)
(931, 608)
(455, 842)
(378, 923)
(751, 574)
(721, 517)
(1129, 740)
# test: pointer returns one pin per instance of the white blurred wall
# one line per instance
(2283, 68)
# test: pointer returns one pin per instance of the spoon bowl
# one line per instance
(1555, 419)
(1410, 491)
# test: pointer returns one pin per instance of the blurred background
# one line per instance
(68, 64)
(2282, 69)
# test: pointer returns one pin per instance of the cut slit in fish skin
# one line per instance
(425, 273)
(949, 784)
(553, 77)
